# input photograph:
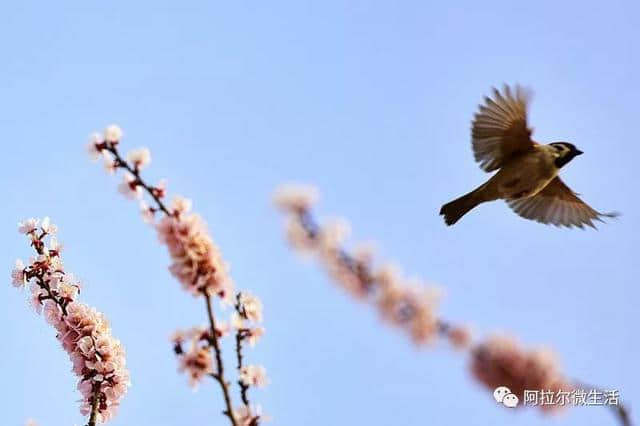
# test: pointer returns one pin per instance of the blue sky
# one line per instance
(372, 102)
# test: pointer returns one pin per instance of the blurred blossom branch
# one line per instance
(411, 305)
(98, 358)
(198, 265)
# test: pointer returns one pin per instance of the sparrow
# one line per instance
(527, 177)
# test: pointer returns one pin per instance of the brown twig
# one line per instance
(95, 404)
(240, 336)
(120, 162)
(219, 374)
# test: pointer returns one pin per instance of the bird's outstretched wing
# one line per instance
(499, 130)
(557, 204)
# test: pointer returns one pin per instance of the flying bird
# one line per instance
(527, 177)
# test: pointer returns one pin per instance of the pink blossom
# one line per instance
(292, 197)
(197, 364)
(160, 190)
(333, 234)
(48, 227)
(35, 300)
(250, 307)
(110, 165)
(254, 334)
(140, 158)
(500, 361)
(405, 303)
(247, 415)
(27, 226)
(253, 375)
(95, 146)
(113, 134)
(130, 187)
(180, 205)
(236, 321)
(17, 274)
(459, 337)
(54, 246)
(298, 236)
(147, 212)
(223, 328)
(197, 261)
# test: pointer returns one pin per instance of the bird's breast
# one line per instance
(525, 176)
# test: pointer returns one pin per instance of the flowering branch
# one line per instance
(197, 264)
(248, 310)
(498, 361)
(241, 334)
(97, 357)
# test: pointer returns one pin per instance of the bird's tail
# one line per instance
(454, 210)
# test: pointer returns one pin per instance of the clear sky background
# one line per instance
(372, 102)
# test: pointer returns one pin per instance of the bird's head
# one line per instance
(564, 152)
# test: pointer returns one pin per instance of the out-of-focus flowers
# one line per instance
(98, 358)
(407, 303)
(30, 422)
(293, 197)
(500, 361)
(403, 302)
(459, 337)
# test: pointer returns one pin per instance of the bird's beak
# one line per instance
(578, 152)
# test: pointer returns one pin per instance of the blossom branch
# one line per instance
(197, 264)
(498, 361)
(155, 192)
(97, 357)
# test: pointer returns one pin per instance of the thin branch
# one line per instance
(219, 374)
(240, 335)
(95, 404)
(120, 162)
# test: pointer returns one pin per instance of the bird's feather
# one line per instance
(499, 131)
(557, 204)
